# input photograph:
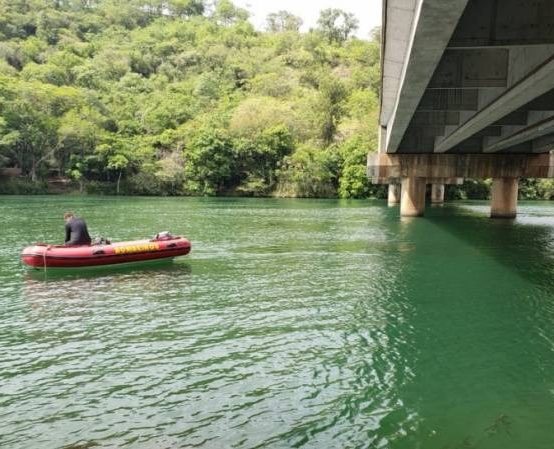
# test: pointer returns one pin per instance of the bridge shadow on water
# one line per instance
(478, 329)
(524, 245)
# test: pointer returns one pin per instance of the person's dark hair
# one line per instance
(68, 215)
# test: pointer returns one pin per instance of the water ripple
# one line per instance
(292, 324)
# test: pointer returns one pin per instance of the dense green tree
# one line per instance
(186, 8)
(32, 136)
(118, 155)
(79, 132)
(31, 114)
(209, 163)
(185, 96)
(278, 22)
(308, 172)
(258, 159)
(375, 35)
(332, 96)
(227, 13)
(336, 24)
(353, 181)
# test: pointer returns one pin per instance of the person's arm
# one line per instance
(67, 232)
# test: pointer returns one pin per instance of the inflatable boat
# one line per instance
(42, 255)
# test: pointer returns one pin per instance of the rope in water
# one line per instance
(44, 258)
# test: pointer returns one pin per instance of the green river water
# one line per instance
(293, 323)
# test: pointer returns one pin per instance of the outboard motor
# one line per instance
(163, 236)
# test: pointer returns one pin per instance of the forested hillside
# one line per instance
(185, 97)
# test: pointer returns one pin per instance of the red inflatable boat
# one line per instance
(42, 255)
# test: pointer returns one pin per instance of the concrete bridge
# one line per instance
(467, 92)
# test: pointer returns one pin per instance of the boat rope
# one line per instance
(44, 258)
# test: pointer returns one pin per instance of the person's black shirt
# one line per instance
(76, 232)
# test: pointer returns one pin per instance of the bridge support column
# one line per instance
(394, 194)
(412, 202)
(504, 197)
(437, 193)
(416, 170)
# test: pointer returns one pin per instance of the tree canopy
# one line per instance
(186, 97)
(283, 21)
(337, 25)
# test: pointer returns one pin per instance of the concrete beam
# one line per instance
(434, 22)
(476, 142)
(445, 181)
(477, 166)
(382, 137)
(436, 118)
(543, 103)
(472, 68)
(489, 131)
(524, 60)
(522, 148)
(534, 85)
(540, 129)
(543, 144)
(516, 118)
(413, 143)
(398, 17)
(505, 22)
(450, 100)
(426, 130)
(472, 145)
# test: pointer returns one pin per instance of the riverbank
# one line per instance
(529, 189)
(134, 187)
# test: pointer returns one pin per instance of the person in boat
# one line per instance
(76, 232)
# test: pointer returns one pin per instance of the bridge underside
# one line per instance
(471, 80)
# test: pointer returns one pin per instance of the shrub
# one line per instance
(23, 187)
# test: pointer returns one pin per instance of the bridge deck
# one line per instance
(468, 76)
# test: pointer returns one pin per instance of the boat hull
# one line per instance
(53, 256)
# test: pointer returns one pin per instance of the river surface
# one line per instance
(292, 324)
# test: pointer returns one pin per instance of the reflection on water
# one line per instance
(39, 285)
(139, 270)
(292, 324)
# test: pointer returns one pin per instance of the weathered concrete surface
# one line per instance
(398, 17)
(504, 198)
(539, 129)
(394, 194)
(413, 197)
(437, 193)
(533, 86)
(467, 92)
(445, 181)
(478, 166)
(431, 25)
(467, 76)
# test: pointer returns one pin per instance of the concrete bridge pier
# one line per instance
(467, 91)
(437, 193)
(394, 194)
(412, 202)
(504, 197)
(417, 170)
